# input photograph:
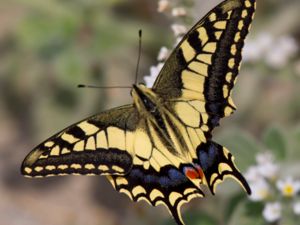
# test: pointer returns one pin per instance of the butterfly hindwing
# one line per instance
(217, 164)
(157, 175)
(205, 63)
(101, 144)
(169, 187)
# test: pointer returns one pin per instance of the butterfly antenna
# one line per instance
(136, 71)
(101, 87)
(139, 57)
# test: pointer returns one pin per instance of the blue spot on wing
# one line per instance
(169, 177)
(150, 179)
(208, 155)
(136, 173)
(165, 181)
(176, 176)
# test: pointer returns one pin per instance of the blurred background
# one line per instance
(48, 47)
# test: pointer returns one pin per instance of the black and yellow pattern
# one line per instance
(208, 59)
(169, 187)
(97, 145)
(159, 149)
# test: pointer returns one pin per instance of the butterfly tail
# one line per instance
(217, 164)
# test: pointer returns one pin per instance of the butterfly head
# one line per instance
(144, 98)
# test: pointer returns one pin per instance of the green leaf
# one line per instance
(275, 141)
(247, 213)
(194, 218)
(242, 146)
(294, 144)
(253, 209)
(232, 204)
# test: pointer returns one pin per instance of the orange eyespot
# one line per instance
(200, 172)
(191, 173)
(194, 173)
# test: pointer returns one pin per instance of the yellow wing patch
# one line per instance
(187, 114)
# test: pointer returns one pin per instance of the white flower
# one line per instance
(288, 187)
(284, 48)
(163, 54)
(266, 166)
(178, 29)
(149, 80)
(274, 51)
(272, 212)
(296, 208)
(275, 58)
(251, 52)
(265, 157)
(254, 49)
(253, 174)
(265, 41)
(178, 11)
(178, 40)
(269, 170)
(260, 190)
(154, 71)
(163, 5)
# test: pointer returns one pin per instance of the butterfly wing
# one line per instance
(116, 143)
(217, 164)
(101, 144)
(204, 65)
(169, 187)
(197, 80)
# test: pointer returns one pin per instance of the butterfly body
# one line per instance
(160, 148)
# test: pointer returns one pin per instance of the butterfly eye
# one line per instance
(153, 110)
(145, 100)
(150, 106)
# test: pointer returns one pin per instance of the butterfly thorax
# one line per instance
(149, 105)
(161, 121)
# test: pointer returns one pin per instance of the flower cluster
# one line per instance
(269, 188)
(154, 71)
(275, 52)
(178, 13)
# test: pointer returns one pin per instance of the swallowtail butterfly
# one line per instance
(160, 148)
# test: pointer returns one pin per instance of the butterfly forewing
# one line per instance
(205, 63)
(101, 144)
